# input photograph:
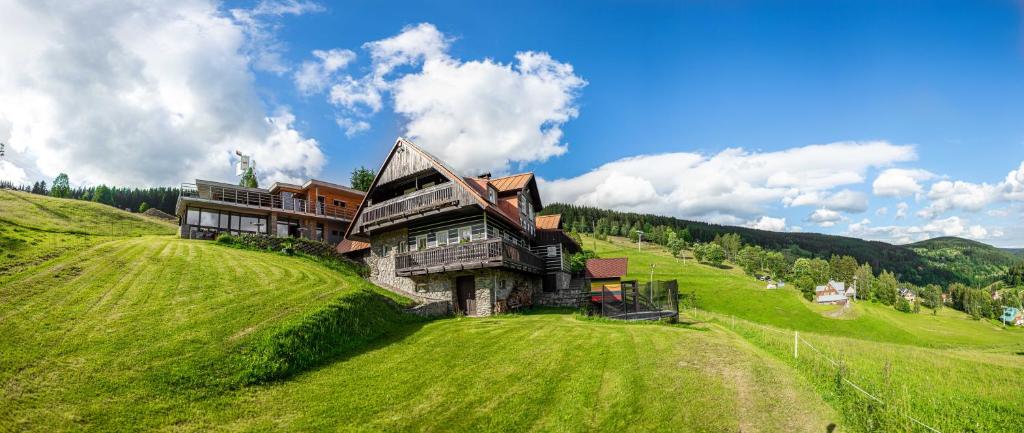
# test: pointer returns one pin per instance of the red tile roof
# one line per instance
(348, 246)
(607, 268)
(549, 222)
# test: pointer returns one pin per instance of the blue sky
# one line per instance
(883, 120)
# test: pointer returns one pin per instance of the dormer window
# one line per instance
(492, 194)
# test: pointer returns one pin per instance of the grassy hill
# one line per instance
(731, 292)
(972, 261)
(956, 373)
(919, 264)
(138, 331)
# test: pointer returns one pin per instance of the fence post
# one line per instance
(796, 344)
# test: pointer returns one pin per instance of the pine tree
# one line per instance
(249, 179)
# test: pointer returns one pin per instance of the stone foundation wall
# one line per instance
(568, 291)
(500, 282)
(441, 287)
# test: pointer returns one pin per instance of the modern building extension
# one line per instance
(315, 210)
(473, 243)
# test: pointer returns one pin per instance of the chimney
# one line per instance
(485, 176)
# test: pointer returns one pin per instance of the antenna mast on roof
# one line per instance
(244, 163)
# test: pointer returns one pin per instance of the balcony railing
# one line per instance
(476, 254)
(424, 200)
(262, 199)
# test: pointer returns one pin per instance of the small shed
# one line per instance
(606, 271)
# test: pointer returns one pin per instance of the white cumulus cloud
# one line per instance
(478, 115)
(900, 182)
(144, 93)
(825, 217)
(733, 183)
(768, 223)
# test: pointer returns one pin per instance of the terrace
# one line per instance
(469, 255)
(261, 199)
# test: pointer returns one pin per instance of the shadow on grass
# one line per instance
(352, 324)
(41, 207)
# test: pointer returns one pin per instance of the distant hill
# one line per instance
(969, 260)
(1019, 252)
(925, 264)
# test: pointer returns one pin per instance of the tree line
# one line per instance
(803, 270)
(904, 262)
(131, 199)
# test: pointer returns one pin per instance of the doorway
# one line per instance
(465, 294)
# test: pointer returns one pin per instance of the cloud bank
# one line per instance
(144, 93)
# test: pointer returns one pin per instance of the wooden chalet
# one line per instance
(473, 242)
(315, 210)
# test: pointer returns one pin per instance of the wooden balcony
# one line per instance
(254, 198)
(413, 204)
(470, 255)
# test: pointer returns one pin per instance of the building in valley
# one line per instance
(474, 244)
(315, 210)
(833, 292)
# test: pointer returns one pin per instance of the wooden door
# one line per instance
(465, 288)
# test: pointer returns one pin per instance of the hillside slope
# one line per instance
(144, 325)
(731, 292)
(953, 372)
(75, 216)
(141, 333)
(914, 265)
(971, 261)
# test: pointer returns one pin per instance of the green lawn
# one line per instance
(74, 216)
(147, 332)
(946, 370)
(135, 334)
(731, 292)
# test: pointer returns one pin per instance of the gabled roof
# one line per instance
(475, 187)
(549, 222)
(607, 268)
(512, 183)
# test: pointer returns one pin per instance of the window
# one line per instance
(192, 217)
(208, 218)
(442, 238)
(453, 236)
(552, 251)
(421, 242)
(478, 232)
(339, 203)
(431, 240)
(225, 220)
(492, 194)
(234, 222)
(411, 244)
(253, 224)
(465, 234)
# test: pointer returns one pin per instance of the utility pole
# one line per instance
(651, 284)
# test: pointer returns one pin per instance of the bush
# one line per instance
(345, 325)
(902, 305)
(225, 238)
